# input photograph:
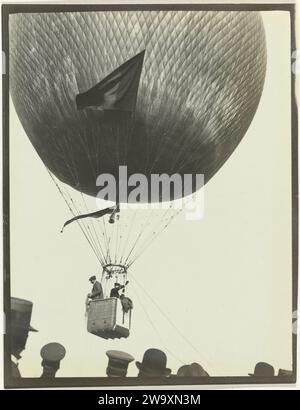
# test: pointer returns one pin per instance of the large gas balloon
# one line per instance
(201, 82)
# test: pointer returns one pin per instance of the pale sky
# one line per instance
(225, 281)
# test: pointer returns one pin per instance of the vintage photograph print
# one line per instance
(150, 194)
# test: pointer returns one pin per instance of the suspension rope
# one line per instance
(73, 213)
(137, 239)
(69, 162)
(102, 252)
(173, 325)
(94, 235)
(151, 240)
(155, 232)
(126, 242)
(154, 328)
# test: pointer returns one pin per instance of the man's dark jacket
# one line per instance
(97, 291)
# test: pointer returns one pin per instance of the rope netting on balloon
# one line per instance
(135, 227)
(134, 230)
(125, 240)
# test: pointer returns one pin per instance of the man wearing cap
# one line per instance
(114, 293)
(118, 363)
(97, 291)
(52, 354)
(154, 364)
(20, 326)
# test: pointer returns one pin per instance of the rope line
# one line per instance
(173, 325)
(155, 329)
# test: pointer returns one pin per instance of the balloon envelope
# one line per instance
(201, 82)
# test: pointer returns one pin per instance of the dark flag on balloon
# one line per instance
(117, 91)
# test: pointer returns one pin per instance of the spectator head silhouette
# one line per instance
(52, 354)
(154, 364)
(21, 311)
(118, 363)
(192, 370)
(263, 369)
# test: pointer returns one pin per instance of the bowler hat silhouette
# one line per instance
(153, 364)
(263, 369)
(92, 278)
